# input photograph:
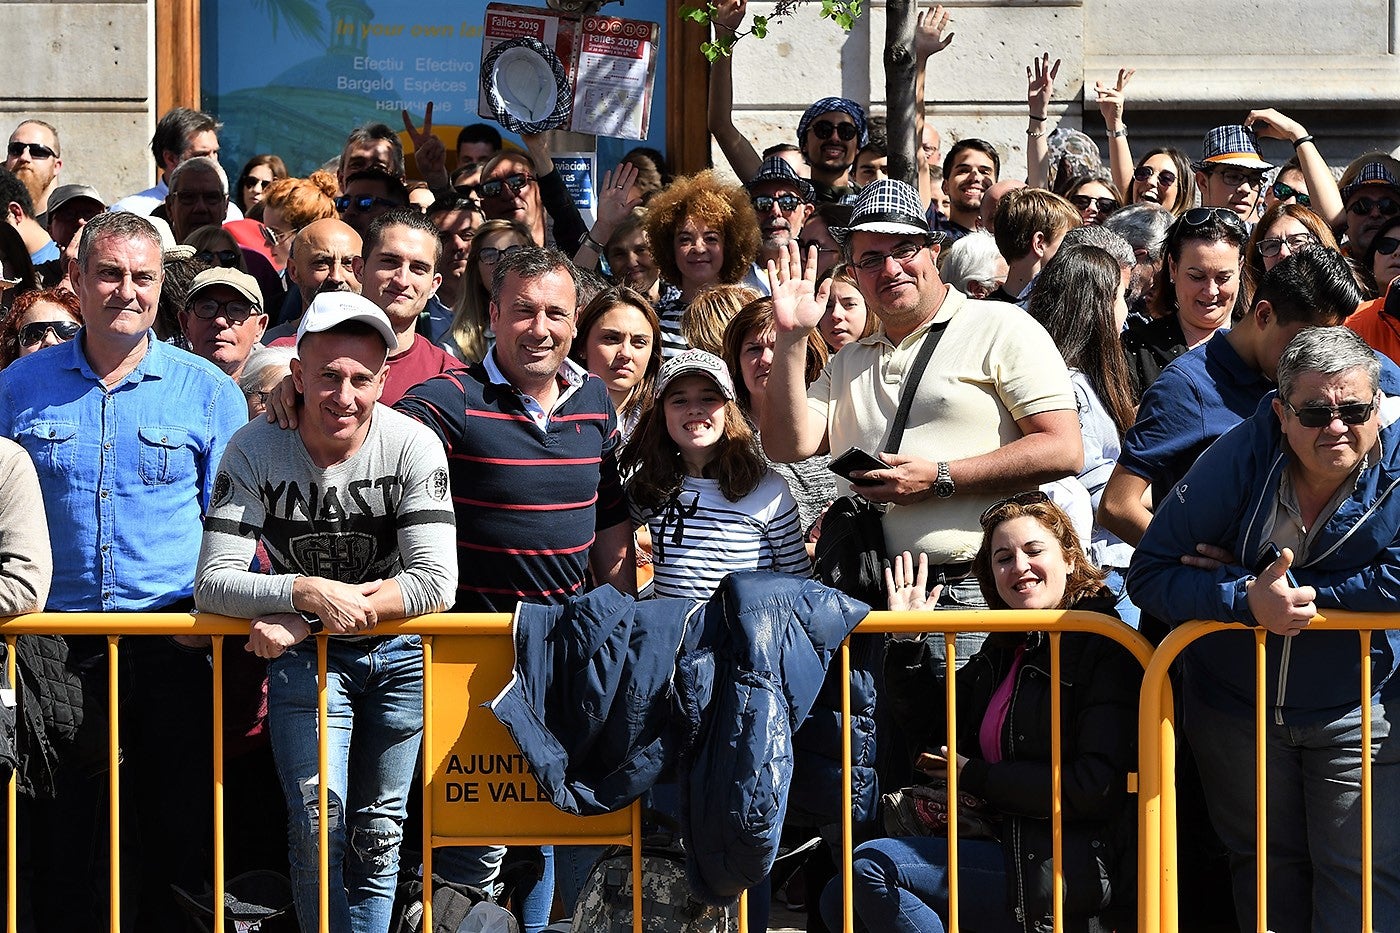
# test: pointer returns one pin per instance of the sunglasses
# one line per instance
(33, 332)
(1284, 192)
(235, 310)
(1084, 201)
(228, 258)
(1165, 177)
(1198, 216)
(516, 183)
(900, 254)
(1274, 245)
(253, 183)
(1234, 177)
(1385, 245)
(1321, 416)
(1387, 206)
(491, 255)
(363, 204)
(824, 129)
(36, 151)
(787, 203)
(1034, 497)
(272, 236)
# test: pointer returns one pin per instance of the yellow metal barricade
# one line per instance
(1156, 739)
(467, 660)
(949, 624)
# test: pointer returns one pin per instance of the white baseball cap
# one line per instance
(330, 309)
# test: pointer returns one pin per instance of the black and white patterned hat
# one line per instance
(885, 206)
(776, 168)
(526, 86)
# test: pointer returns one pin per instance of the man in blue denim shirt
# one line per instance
(125, 433)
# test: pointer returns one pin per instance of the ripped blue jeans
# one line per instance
(375, 724)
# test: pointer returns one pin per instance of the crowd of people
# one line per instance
(1158, 387)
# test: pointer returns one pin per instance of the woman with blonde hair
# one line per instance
(704, 319)
(469, 335)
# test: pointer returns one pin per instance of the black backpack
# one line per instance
(457, 908)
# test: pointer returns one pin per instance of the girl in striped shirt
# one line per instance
(699, 483)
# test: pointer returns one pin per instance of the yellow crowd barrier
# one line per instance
(468, 660)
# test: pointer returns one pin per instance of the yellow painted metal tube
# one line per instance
(323, 829)
(114, 788)
(427, 784)
(218, 655)
(12, 799)
(1057, 815)
(1261, 791)
(847, 831)
(1367, 805)
(950, 689)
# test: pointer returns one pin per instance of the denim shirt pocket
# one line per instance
(52, 445)
(167, 453)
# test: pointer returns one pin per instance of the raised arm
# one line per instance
(790, 429)
(1120, 155)
(1322, 187)
(930, 37)
(569, 229)
(1040, 87)
(728, 16)
(615, 202)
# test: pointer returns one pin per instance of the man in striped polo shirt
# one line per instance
(531, 440)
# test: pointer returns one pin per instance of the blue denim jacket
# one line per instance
(126, 472)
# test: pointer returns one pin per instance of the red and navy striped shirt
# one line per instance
(529, 501)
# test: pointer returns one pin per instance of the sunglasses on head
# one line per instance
(1321, 416)
(1084, 202)
(363, 204)
(36, 151)
(1385, 245)
(235, 310)
(1274, 245)
(1198, 216)
(495, 187)
(1165, 176)
(228, 258)
(787, 203)
(33, 332)
(1284, 192)
(1034, 497)
(1387, 206)
(824, 129)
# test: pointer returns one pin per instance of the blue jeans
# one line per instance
(964, 594)
(1313, 787)
(901, 886)
(375, 724)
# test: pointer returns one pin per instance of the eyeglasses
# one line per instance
(1083, 202)
(805, 245)
(190, 198)
(516, 183)
(1385, 245)
(228, 258)
(272, 236)
(1321, 416)
(491, 255)
(33, 332)
(1274, 245)
(235, 310)
(900, 254)
(1034, 497)
(363, 204)
(1165, 177)
(36, 151)
(787, 203)
(824, 129)
(254, 183)
(1387, 206)
(1234, 177)
(1197, 216)
(1284, 192)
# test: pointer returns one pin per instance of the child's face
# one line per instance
(694, 409)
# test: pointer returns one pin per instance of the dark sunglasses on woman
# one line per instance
(33, 332)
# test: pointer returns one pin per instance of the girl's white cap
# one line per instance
(695, 363)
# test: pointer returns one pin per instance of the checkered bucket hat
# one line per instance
(1231, 145)
(886, 206)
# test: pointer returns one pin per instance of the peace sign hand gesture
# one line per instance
(429, 151)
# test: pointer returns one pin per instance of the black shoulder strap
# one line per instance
(911, 385)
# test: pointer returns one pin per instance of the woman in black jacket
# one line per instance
(1030, 559)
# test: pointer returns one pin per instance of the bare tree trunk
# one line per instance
(899, 90)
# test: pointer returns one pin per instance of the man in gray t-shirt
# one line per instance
(354, 511)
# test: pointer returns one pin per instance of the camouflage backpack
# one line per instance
(605, 905)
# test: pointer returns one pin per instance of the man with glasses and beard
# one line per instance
(35, 159)
(783, 202)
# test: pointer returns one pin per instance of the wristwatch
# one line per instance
(943, 486)
(314, 625)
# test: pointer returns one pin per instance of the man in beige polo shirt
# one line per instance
(993, 415)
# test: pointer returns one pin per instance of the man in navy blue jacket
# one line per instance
(1305, 493)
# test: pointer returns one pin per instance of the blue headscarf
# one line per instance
(833, 105)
